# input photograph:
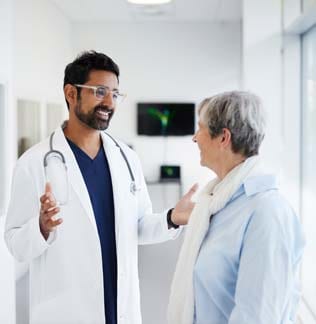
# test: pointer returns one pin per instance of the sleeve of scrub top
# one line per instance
(152, 227)
(266, 276)
(22, 231)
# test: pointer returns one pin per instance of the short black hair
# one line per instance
(77, 72)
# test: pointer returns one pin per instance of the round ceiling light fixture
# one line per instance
(149, 2)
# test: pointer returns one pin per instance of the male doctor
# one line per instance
(83, 255)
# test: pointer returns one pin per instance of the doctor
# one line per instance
(83, 255)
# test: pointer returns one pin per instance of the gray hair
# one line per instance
(240, 112)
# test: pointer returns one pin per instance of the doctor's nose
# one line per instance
(109, 100)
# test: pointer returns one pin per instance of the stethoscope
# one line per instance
(52, 152)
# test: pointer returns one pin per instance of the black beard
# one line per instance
(91, 119)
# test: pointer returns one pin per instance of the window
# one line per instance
(308, 165)
(2, 149)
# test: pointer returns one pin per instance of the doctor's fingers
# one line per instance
(47, 197)
(192, 191)
(50, 224)
(48, 205)
(48, 215)
(47, 220)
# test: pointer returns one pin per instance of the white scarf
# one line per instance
(181, 302)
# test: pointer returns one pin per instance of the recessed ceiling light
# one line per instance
(149, 2)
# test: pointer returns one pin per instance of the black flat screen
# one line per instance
(165, 119)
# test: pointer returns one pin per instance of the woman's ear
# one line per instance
(226, 137)
(70, 93)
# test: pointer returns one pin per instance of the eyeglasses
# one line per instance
(100, 92)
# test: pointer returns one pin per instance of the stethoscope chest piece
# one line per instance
(133, 188)
(56, 173)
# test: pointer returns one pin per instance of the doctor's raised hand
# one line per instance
(48, 210)
(180, 214)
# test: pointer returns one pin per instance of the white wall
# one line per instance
(271, 68)
(166, 62)
(7, 282)
(262, 67)
(291, 11)
(7, 294)
(291, 92)
(6, 24)
(291, 119)
(42, 48)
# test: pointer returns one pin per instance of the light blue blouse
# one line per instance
(246, 270)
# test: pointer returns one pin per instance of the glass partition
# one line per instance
(29, 124)
(55, 115)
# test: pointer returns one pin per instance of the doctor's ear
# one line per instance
(70, 92)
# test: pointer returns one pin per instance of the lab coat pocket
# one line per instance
(55, 310)
(54, 275)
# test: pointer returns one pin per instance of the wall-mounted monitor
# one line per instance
(165, 119)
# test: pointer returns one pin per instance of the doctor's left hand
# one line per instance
(48, 210)
(181, 213)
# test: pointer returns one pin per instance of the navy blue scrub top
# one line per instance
(97, 176)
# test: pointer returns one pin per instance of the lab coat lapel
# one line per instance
(120, 179)
(74, 174)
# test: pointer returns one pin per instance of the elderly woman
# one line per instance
(243, 245)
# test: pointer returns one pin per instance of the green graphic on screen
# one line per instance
(164, 117)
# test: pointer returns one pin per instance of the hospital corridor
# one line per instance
(110, 112)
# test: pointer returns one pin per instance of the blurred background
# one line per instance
(171, 55)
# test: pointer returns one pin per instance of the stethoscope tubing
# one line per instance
(133, 187)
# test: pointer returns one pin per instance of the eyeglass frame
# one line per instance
(107, 91)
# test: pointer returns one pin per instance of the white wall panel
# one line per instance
(42, 48)
(292, 9)
(7, 292)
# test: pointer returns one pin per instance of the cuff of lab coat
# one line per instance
(51, 237)
(39, 243)
(172, 232)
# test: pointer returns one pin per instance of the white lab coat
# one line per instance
(66, 280)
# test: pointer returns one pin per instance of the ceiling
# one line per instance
(176, 11)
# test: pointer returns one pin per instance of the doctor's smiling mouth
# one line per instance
(98, 118)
